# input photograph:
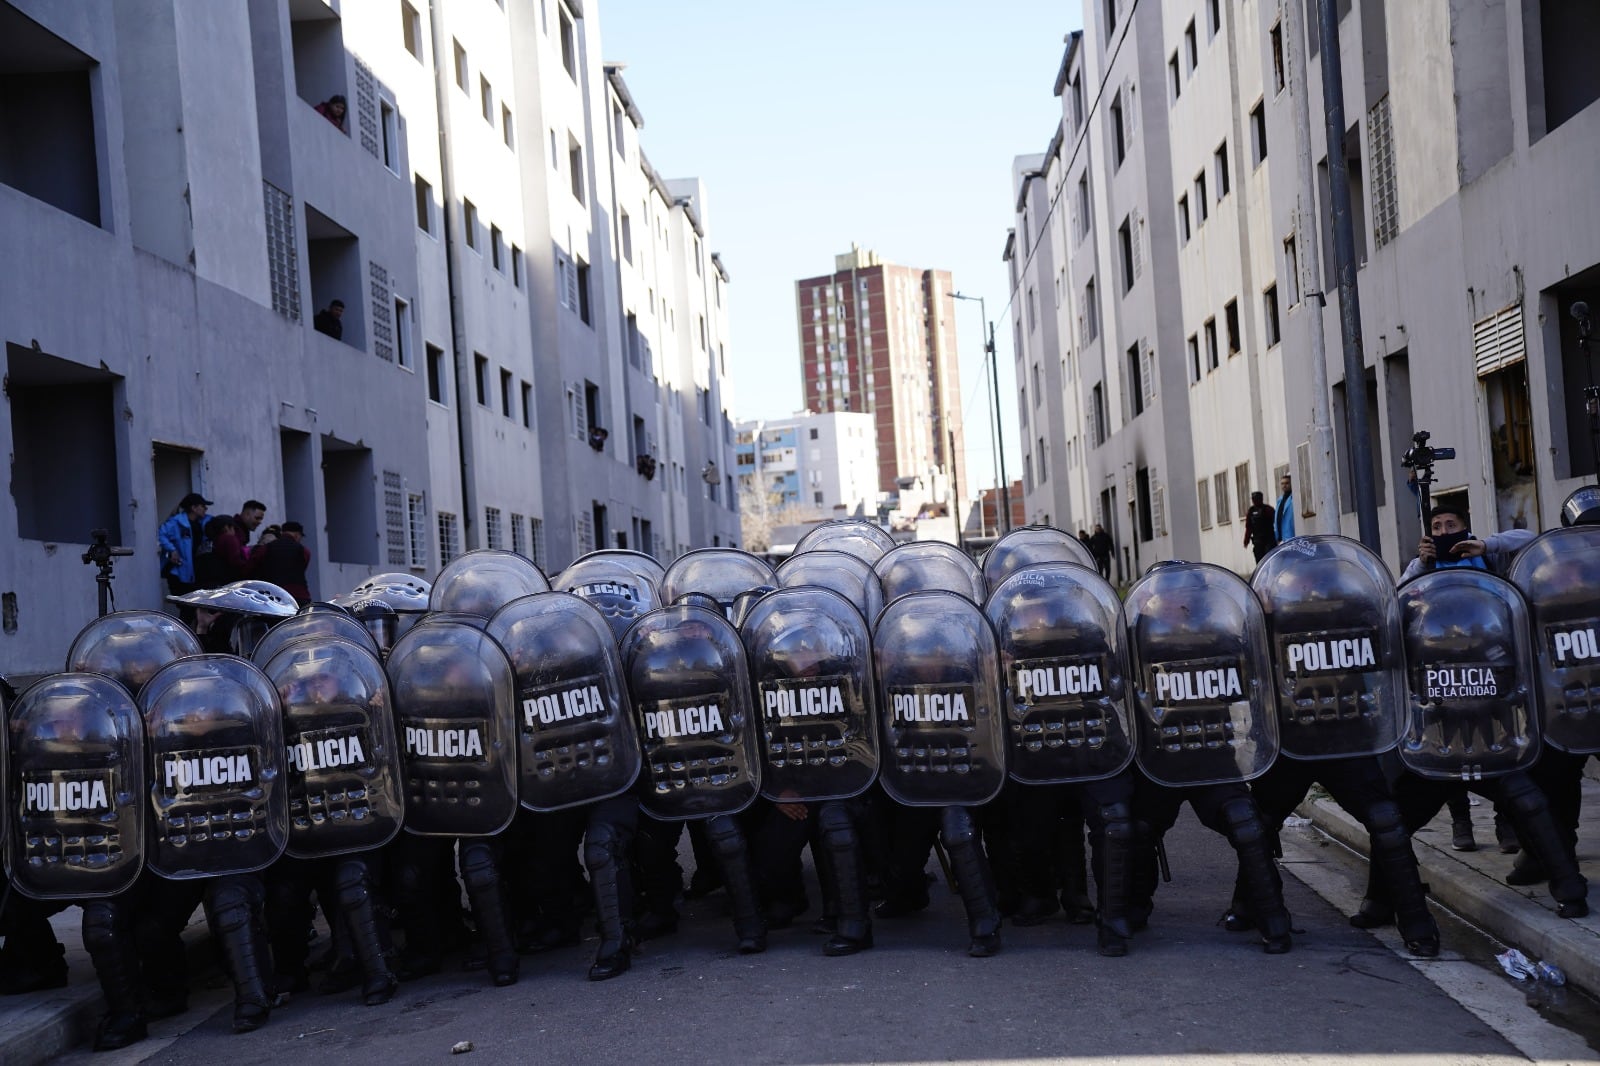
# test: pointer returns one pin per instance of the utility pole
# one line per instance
(999, 432)
(955, 489)
(1344, 255)
(1324, 488)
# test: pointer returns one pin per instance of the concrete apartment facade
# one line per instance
(160, 340)
(1469, 127)
(820, 465)
(880, 338)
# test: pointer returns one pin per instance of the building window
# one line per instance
(1125, 243)
(505, 393)
(461, 67)
(1291, 269)
(1135, 382)
(1211, 344)
(519, 535)
(389, 128)
(1191, 45)
(449, 538)
(1044, 474)
(493, 530)
(1219, 492)
(575, 165)
(1258, 134)
(507, 127)
(1194, 357)
(1213, 18)
(424, 206)
(1083, 207)
(527, 405)
(516, 266)
(417, 529)
(1174, 78)
(536, 540)
(1203, 494)
(1220, 158)
(1230, 315)
(1119, 146)
(411, 29)
(496, 244)
(1183, 219)
(436, 373)
(1241, 487)
(1269, 314)
(486, 99)
(569, 48)
(402, 332)
(1201, 203)
(1276, 35)
(583, 291)
(469, 223)
(625, 224)
(480, 377)
(1091, 313)
(1385, 201)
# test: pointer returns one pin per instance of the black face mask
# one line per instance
(1444, 544)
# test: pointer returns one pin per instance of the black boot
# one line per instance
(1114, 880)
(1536, 828)
(1263, 889)
(973, 879)
(605, 853)
(233, 910)
(733, 856)
(108, 937)
(354, 881)
(846, 882)
(1391, 852)
(481, 874)
(419, 902)
(1144, 873)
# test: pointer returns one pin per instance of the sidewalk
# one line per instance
(42, 1025)
(1472, 883)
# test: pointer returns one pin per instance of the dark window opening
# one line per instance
(1231, 315)
(1142, 488)
(1135, 381)
(480, 378)
(1568, 30)
(505, 392)
(47, 138)
(1269, 314)
(1125, 243)
(1119, 148)
(583, 292)
(317, 39)
(333, 255)
(349, 502)
(436, 374)
(569, 49)
(63, 448)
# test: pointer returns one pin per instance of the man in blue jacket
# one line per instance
(179, 538)
(1284, 524)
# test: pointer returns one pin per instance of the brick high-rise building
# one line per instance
(880, 338)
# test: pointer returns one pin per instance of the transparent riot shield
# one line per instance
(811, 662)
(645, 566)
(929, 565)
(849, 575)
(455, 712)
(130, 646)
(405, 593)
(1470, 676)
(721, 573)
(939, 700)
(690, 690)
(343, 765)
(214, 737)
(481, 582)
(852, 536)
(1202, 677)
(1065, 667)
(75, 780)
(323, 625)
(575, 726)
(1334, 627)
(1559, 575)
(618, 588)
(1033, 544)
(261, 598)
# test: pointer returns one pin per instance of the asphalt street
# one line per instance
(1188, 990)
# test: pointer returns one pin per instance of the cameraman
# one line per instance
(1452, 544)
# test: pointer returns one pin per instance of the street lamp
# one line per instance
(987, 329)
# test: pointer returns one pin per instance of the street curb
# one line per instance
(39, 1026)
(1525, 921)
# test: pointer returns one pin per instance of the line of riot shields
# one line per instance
(698, 688)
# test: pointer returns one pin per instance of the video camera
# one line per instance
(100, 554)
(1421, 457)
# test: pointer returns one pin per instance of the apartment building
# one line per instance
(184, 210)
(1180, 163)
(818, 465)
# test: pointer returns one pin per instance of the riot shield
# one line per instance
(75, 779)
(1064, 660)
(1202, 677)
(455, 713)
(849, 575)
(214, 733)
(243, 597)
(1033, 544)
(130, 646)
(852, 536)
(939, 699)
(577, 738)
(930, 565)
(405, 593)
(1333, 624)
(1559, 574)
(618, 588)
(690, 690)
(343, 765)
(323, 625)
(1470, 681)
(483, 581)
(721, 573)
(645, 566)
(811, 662)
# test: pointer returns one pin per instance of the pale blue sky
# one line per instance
(890, 124)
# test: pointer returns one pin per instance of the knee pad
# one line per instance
(1523, 796)
(1385, 825)
(104, 926)
(956, 828)
(1119, 815)
(603, 843)
(230, 904)
(836, 828)
(724, 835)
(478, 866)
(1243, 822)
(354, 883)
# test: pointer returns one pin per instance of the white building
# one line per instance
(1168, 210)
(512, 270)
(815, 465)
